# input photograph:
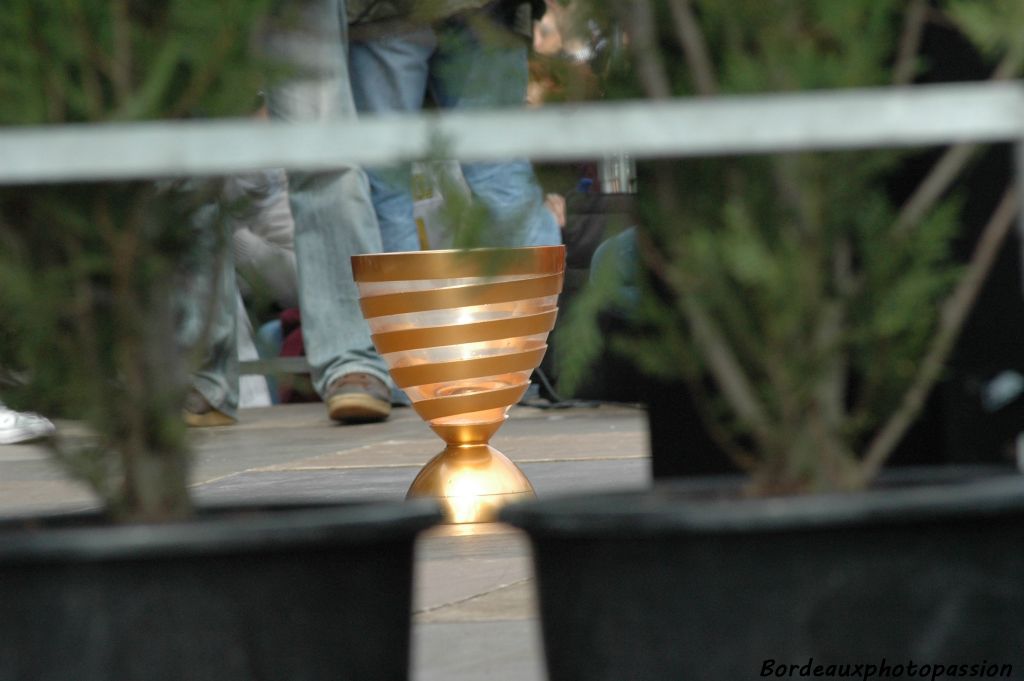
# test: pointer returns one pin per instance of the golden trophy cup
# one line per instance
(461, 332)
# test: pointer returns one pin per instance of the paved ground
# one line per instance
(474, 612)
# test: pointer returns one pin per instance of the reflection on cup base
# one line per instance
(471, 483)
(481, 508)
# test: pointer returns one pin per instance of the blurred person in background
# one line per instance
(333, 214)
(547, 34)
(263, 237)
(256, 258)
(466, 54)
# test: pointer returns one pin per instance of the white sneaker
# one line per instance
(17, 426)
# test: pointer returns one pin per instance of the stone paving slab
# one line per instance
(469, 542)
(474, 611)
(391, 483)
(22, 498)
(598, 433)
(478, 651)
(360, 484)
(521, 449)
(448, 588)
(302, 435)
(456, 563)
(515, 601)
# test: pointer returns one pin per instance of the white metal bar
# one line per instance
(911, 116)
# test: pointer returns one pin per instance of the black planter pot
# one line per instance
(689, 582)
(288, 593)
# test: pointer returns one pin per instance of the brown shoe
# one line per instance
(198, 413)
(358, 398)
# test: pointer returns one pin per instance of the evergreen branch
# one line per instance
(791, 191)
(56, 100)
(724, 366)
(938, 180)
(954, 313)
(742, 317)
(722, 363)
(139, 492)
(832, 390)
(90, 79)
(86, 326)
(86, 465)
(910, 42)
(121, 65)
(953, 161)
(838, 467)
(640, 20)
(743, 458)
(691, 38)
(211, 69)
(695, 47)
(158, 80)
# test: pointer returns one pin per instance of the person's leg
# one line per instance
(469, 72)
(515, 201)
(390, 75)
(264, 235)
(334, 219)
(208, 306)
(217, 379)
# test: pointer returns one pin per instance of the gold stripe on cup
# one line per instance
(456, 264)
(423, 374)
(458, 334)
(461, 296)
(460, 404)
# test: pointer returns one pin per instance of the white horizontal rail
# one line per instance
(909, 116)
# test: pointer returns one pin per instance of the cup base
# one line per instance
(471, 483)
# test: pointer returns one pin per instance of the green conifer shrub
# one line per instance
(87, 270)
(808, 313)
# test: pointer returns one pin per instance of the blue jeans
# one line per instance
(461, 72)
(333, 212)
(206, 303)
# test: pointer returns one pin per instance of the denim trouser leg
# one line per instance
(516, 203)
(469, 74)
(393, 75)
(217, 378)
(333, 212)
(209, 275)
